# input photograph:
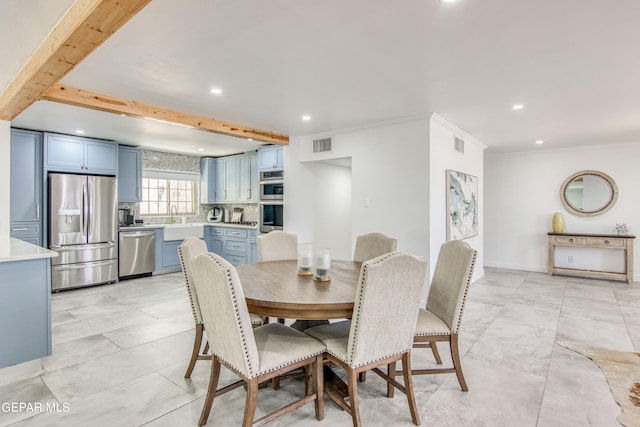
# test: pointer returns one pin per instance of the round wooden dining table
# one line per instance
(275, 289)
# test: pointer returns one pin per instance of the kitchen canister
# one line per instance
(558, 223)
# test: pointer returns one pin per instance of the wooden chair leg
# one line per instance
(391, 371)
(250, 405)
(318, 378)
(353, 397)
(197, 343)
(211, 391)
(436, 353)
(362, 376)
(455, 356)
(206, 348)
(275, 383)
(408, 385)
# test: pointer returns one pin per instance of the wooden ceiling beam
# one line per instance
(96, 101)
(85, 26)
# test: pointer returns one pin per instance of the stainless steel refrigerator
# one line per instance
(83, 230)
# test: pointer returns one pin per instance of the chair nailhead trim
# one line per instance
(466, 291)
(186, 280)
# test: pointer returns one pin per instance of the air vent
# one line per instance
(459, 145)
(321, 145)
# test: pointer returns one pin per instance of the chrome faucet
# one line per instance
(172, 218)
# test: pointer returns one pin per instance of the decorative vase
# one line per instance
(558, 223)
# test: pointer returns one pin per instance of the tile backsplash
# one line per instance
(184, 163)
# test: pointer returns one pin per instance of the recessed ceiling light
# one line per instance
(539, 141)
(306, 118)
(448, 1)
(216, 91)
(201, 149)
(79, 131)
(518, 107)
(250, 139)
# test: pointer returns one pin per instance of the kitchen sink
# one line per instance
(182, 231)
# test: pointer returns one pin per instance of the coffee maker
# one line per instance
(125, 219)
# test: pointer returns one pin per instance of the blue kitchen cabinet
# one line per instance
(235, 246)
(214, 237)
(26, 186)
(129, 174)
(64, 153)
(270, 158)
(247, 178)
(170, 258)
(208, 179)
(230, 188)
(25, 311)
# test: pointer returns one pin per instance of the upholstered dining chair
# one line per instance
(277, 245)
(255, 355)
(371, 339)
(440, 320)
(369, 246)
(191, 248)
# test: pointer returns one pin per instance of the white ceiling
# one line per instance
(573, 64)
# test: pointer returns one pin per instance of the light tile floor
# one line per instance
(120, 352)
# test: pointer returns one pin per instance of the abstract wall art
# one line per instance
(462, 205)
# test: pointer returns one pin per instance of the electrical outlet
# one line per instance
(570, 259)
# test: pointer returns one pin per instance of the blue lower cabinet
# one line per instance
(25, 313)
(170, 256)
(236, 245)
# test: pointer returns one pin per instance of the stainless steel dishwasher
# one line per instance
(137, 252)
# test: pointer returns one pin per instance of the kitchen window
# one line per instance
(163, 190)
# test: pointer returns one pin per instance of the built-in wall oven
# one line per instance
(271, 201)
(271, 216)
(271, 186)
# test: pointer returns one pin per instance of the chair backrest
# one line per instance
(386, 308)
(451, 280)
(190, 249)
(277, 245)
(225, 313)
(372, 245)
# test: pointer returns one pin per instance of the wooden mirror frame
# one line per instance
(604, 208)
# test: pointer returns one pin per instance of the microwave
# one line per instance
(272, 185)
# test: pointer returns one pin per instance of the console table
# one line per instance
(602, 241)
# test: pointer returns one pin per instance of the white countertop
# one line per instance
(18, 250)
(206, 224)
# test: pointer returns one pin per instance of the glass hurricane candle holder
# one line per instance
(305, 259)
(322, 264)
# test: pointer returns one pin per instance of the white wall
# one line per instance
(443, 156)
(331, 200)
(522, 191)
(389, 170)
(5, 177)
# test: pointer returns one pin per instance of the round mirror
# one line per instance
(589, 193)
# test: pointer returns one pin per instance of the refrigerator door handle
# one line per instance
(85, 211)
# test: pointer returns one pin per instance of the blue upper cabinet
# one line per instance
(64, 153)
(129, 174)
(248, 180)
(270, 158)
(208, 170)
